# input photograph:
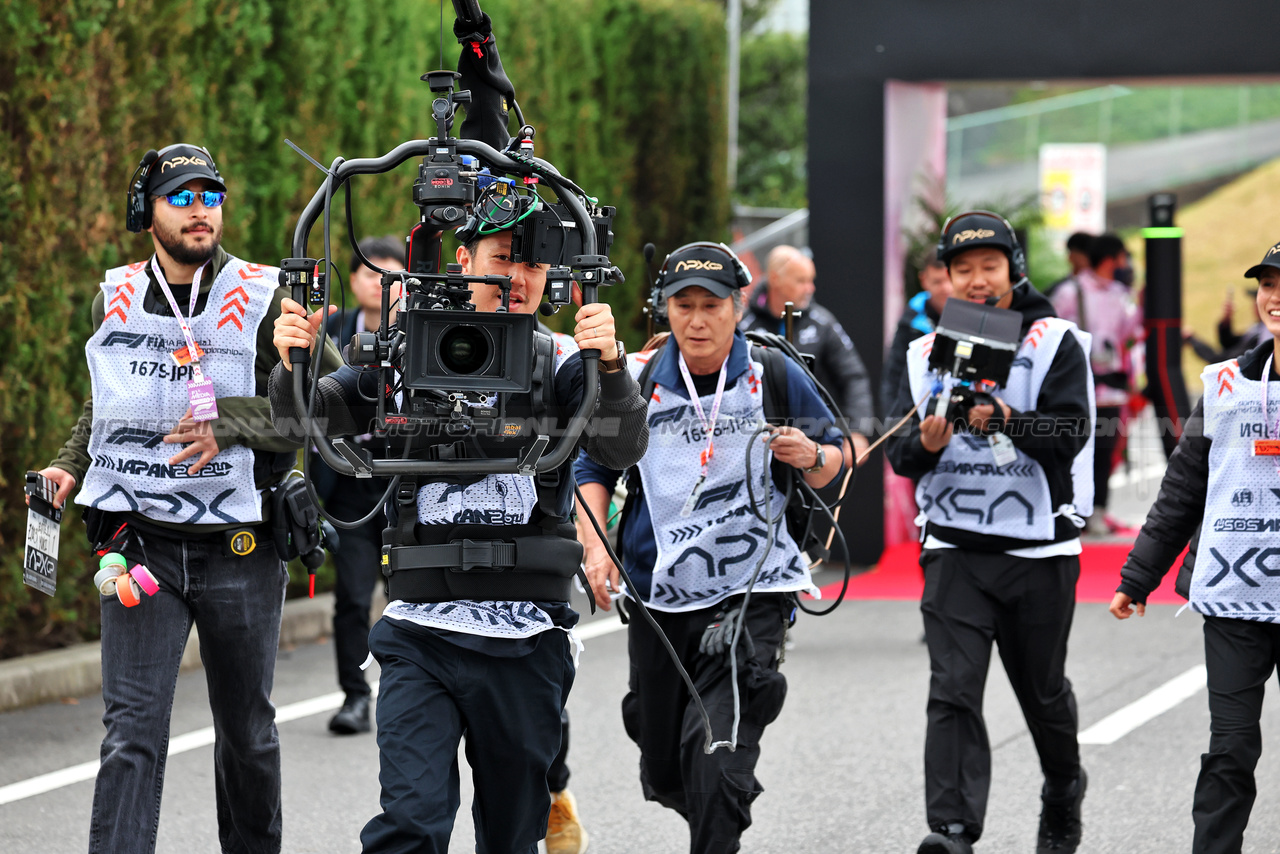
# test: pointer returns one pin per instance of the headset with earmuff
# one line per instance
(137, 215)
(740, 272)
(1017, 255)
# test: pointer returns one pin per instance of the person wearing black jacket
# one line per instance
(1001, 544)
(790, 276)
(1220, 480)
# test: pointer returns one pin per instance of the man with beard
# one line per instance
(175, 452)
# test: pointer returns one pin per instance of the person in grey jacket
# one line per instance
(790, 278)
(1217, 493)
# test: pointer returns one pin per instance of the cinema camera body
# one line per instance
(453, 369)
(975, 344)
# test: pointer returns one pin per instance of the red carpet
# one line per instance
(898, 577)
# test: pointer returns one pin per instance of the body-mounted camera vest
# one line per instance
(530, 562)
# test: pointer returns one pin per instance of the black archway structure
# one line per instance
(857, 46)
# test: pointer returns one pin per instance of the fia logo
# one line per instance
(1242, 498)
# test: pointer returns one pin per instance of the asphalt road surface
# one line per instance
(841, 767)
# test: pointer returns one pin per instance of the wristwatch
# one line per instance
(821, 462)
(609, 366)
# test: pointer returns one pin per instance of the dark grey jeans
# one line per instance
(235, 603)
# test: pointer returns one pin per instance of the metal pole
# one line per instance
(733, 24)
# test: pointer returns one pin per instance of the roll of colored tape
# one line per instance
(128, 594)
(105, 581)
(114, 559)
(145, 579)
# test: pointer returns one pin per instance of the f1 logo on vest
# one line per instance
(135, 436)
(132, 340)
(728, 492)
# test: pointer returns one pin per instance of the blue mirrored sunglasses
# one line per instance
(186, 198)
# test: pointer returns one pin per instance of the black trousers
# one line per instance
(712, 792)
(1026, 606)
(433, 694)
(1240, 656)
(1106, 436)
(356, 561)
(558, 776)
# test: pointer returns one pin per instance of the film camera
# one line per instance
(443, 368)
(975, 344)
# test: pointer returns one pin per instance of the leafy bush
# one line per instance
(627, 96)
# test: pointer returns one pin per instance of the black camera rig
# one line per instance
(451, 366)
(976, 345)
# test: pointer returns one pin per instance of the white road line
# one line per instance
(204, 737)
(1117, 725)
(177, 744)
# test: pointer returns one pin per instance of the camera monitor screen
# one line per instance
(976, 342)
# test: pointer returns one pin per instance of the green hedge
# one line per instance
(627, 97)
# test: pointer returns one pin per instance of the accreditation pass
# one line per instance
(44, 523)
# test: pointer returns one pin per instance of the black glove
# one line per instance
(716, 636)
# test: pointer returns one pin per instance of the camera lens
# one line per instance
(464, 349)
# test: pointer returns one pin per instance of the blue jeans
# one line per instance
(235, 603)
(431, 693)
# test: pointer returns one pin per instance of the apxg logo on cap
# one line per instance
(695, 264)
(175, 162)
(972, 234)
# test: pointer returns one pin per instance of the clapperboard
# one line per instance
(44, 522)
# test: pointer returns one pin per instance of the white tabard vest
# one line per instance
(966, 490)
(711, 554)
(496, 499)
(140, 393)
(1237, 569)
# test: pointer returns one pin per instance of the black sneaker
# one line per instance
(353, 717)
(947, 839)
(1060, 824)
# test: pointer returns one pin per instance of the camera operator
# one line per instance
(1001, 544)
(706, 366)
(163, 330)
(356, 561)
(495, 668)
(1225, 457)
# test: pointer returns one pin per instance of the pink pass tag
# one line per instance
(204, 404)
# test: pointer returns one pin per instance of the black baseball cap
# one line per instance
(706, 265)
(1271, 259)
(178, 164)
(972, 230)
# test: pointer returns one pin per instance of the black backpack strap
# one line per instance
(776, 403)
(542, 394)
